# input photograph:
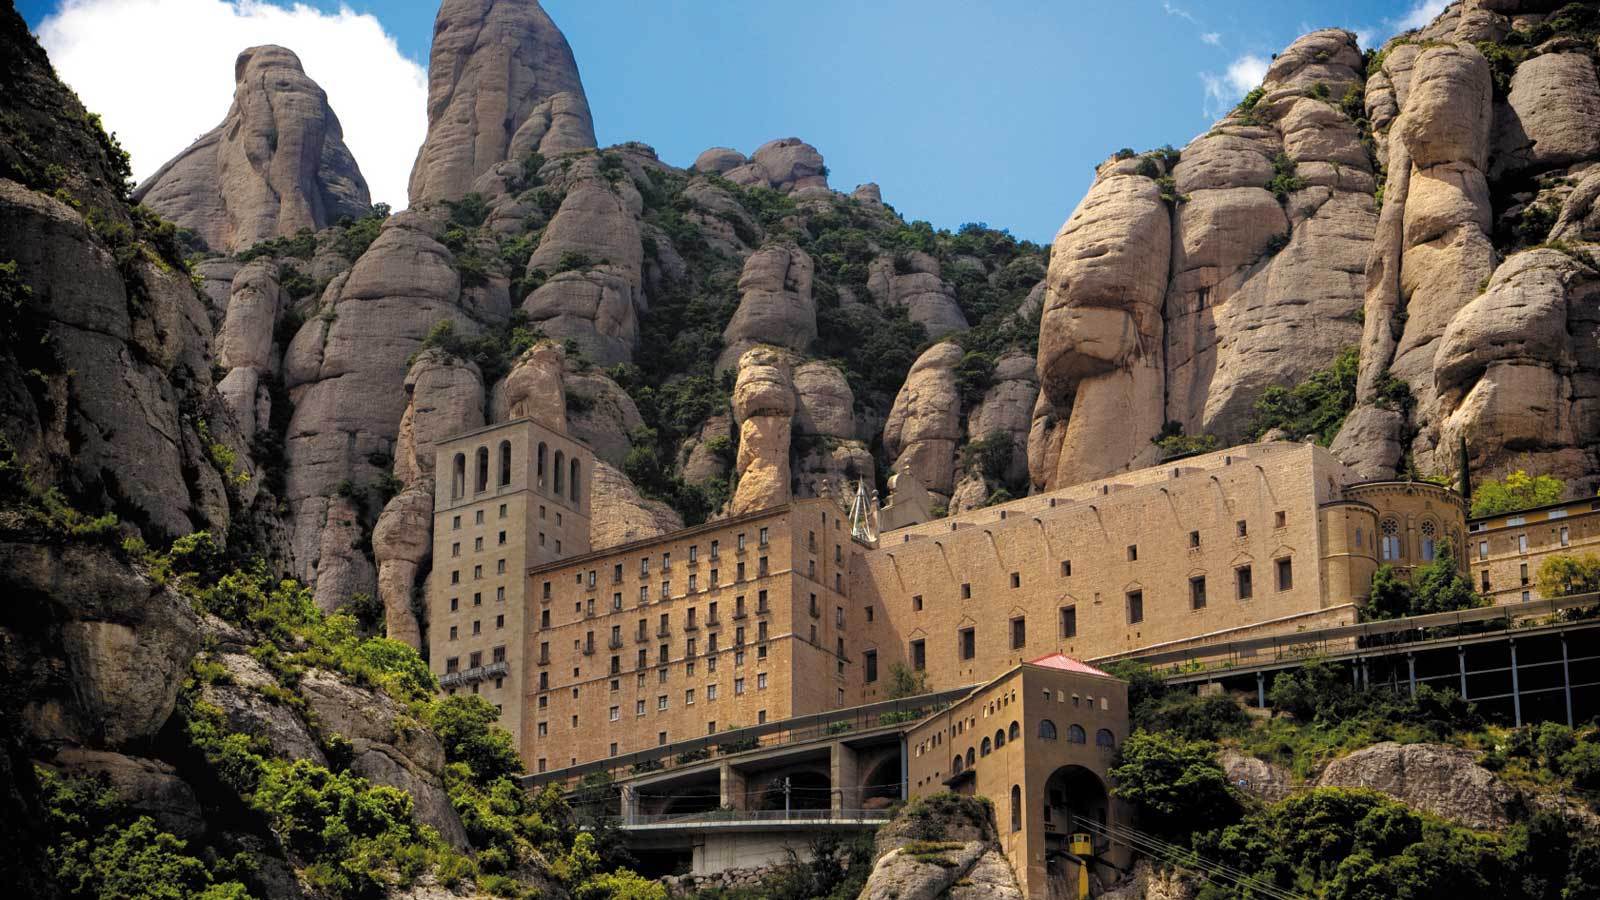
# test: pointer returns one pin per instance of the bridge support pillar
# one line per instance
(1461, 660)
(1566, 679)
(1261, 690)
(1516, 688)
(845, 777)
(734, 788)
(629, 799)
(1411, 673)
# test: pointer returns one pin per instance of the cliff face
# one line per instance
(1425, 203)
(275, 165)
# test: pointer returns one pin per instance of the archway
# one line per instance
(882, 785)
(807, 789)
(1073, 792)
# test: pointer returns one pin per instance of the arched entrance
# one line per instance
(805, 789)
(1075, 800)
(881, 788)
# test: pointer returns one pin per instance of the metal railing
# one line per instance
(1198, 657)
(476, 673)
(758, 815)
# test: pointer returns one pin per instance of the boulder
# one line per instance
(1255, 777)
(718, 160)
(599, 412)
(1549, 116)
(775, 304)
(924, 425)
(276, 165)
(534, 389)
(246, 707)
(402, 544)
(499, 74)
(1442, 780)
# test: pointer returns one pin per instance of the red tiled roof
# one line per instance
(1067, 663)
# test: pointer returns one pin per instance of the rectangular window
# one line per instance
(1194, 539)
(1197, 592)
(869, 662)
(916, 603)
(762, 538)
(868, 611)
(969, 643)
(1280, 519)
(1285, 574)
(1133, 553)
(1016, 580)
(966, 590)
(761, 681)
(1522, 543)
(1069, 621)
(615, 713)
(919, 655)
(661, 702)
(1565, 536)
(738, 687)
(1483, 549)
(1524, 573)
(1242, 529)
(688, 697)
(1242, 581)
(1485, 581)
(1019, 633)
(1066, 568)
(1135, 607)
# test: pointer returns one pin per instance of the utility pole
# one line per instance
(786, 796)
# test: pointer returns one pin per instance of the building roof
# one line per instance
(1067, 663)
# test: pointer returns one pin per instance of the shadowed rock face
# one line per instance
(502, 83)
(275, 165)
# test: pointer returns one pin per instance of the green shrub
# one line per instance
(1317, 406)
(1517, 491)
(1176, 783)
(1173, 442)
(1284, 180)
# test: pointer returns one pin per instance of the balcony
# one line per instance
(641, 636)
(663, 631)
(739, 614)
(615, 643)
(544, 659)
(474, 674)
(691, 625)
(588, 649)
(712, 621)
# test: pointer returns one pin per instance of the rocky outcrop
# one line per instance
(502, 83)
(120, 361)
(384, 749)
(788, 165)
(618, 513)
(346, 369)
(149, 787)
(599, 412)
(763, 407)
(924, 425)
(96, 651)
(829, 459)
(718, 161)
(1150, 881)
(446, 399)
(243, 697)
(534, 388)
(1255, 777)
(1004, 414)
(1446, 781)
(911, 280)
(1185, 302)
(775, 304)
(592, 256)
(950, 854)
(277, 163)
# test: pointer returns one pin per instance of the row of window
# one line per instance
(566, 474)
(474, 660)
(664, 659)
(1103, 738)
(542, 764)
(477, 624)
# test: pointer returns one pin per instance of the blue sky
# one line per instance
(961, 111)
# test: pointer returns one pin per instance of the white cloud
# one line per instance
(1212, 37)
(1243, 75)
(1421, 13)
(161, 73)
(1179, 11)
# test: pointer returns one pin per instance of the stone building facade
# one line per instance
(1504, 552)
(1038, 741)
(507, 497)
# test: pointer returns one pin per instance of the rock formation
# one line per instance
(277, 163)
(911, 280)
(763, 405)
(502, 84)
(1445, 781)
(962, 862)
(787, 165)
(1005, 414)
(618, 513)
(775, 304)
(924, 426)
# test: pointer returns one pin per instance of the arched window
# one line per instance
(572, 488)
(1047, 729)
(1390, 530)
(985, 748)
(999, 739)
(505, 463)
(560, 470)
(1014, 732)
(458, 477)
(1429, 535)
(541, 456)
(1104, 738)
(1016, 807)
(1361, 540)
(957, 764)
(1076, 735)
(972, 756)
(483, 470)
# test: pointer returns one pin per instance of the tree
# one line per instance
(1391, 596)
(1563, 575)
(906, 682)
(1440, 586)
(1177, 784)
(1519, 490)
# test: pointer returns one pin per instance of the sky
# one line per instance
(992, 112)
